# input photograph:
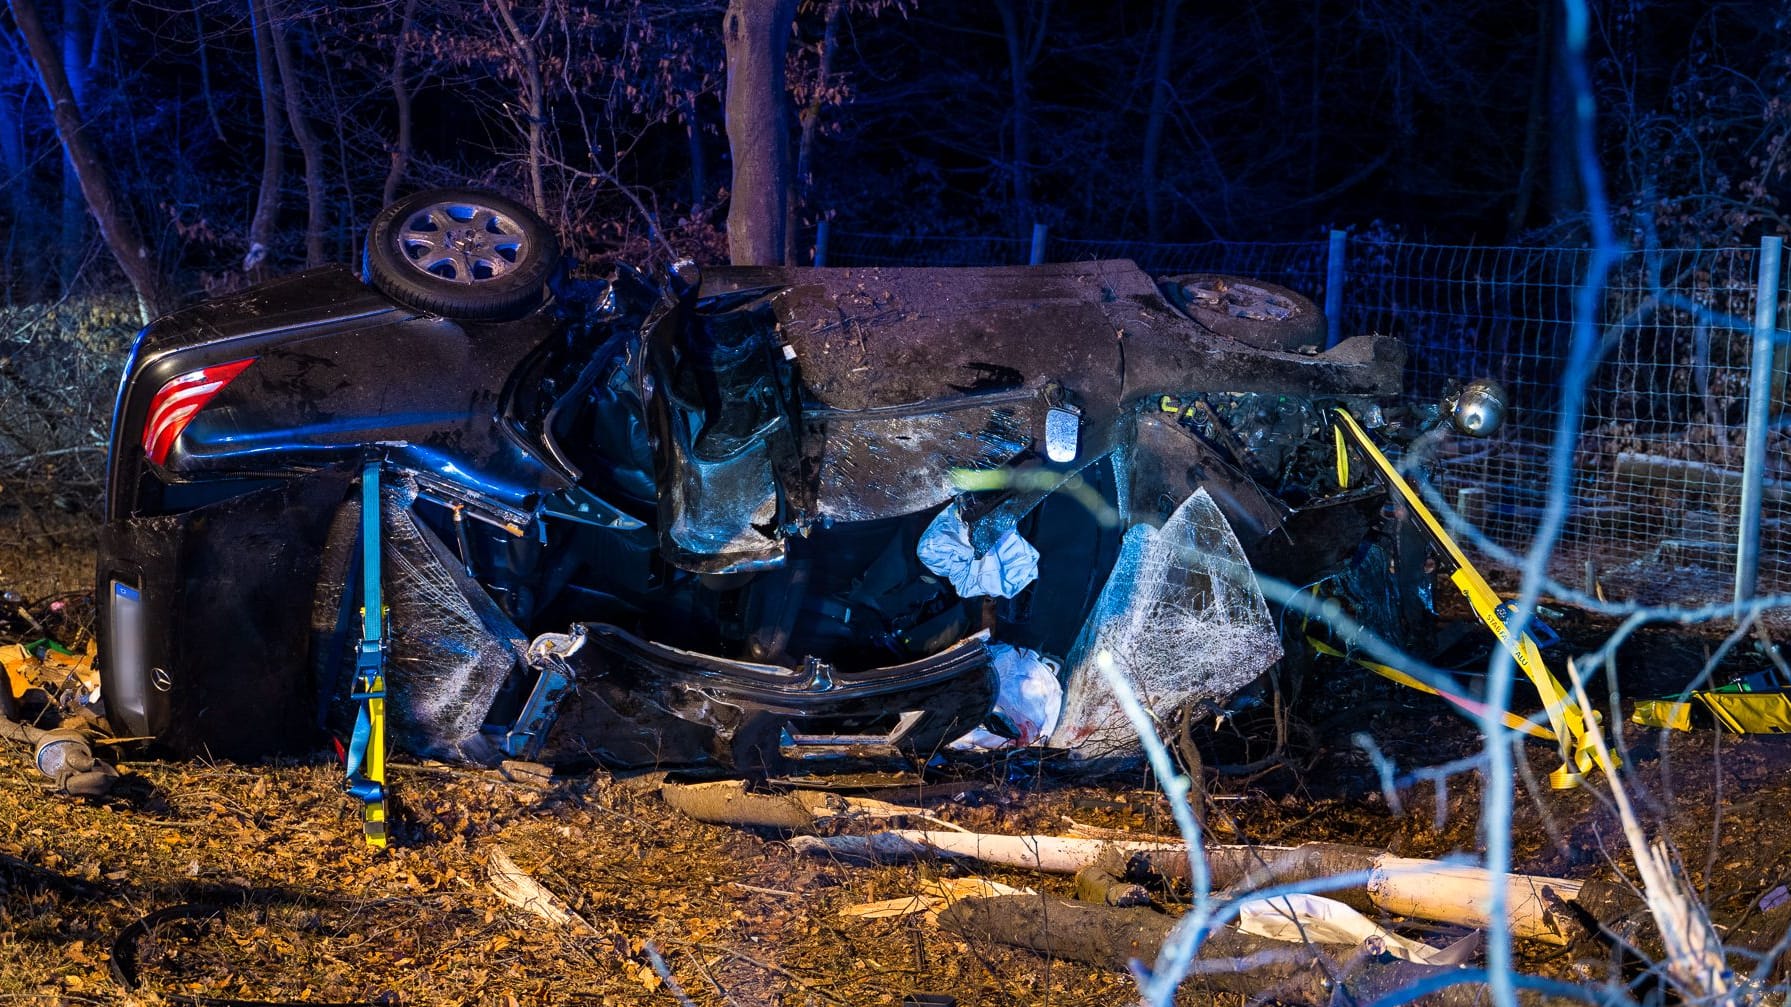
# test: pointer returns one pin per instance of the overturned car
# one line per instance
(727, 516)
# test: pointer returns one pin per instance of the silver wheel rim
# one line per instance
(1240, 300)
(461, 242)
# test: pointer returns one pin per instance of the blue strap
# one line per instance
(372, 614)
(357, 750)
(369, 678)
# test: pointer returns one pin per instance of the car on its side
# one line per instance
(696, 498)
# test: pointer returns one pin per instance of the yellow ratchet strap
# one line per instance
(1467, 705)
(365, 764)
(1578, 753)
(373, 813)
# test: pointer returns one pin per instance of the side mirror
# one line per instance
(684, 276)
(1478, 409)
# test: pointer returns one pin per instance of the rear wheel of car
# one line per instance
(1264, 315)
(461, 253)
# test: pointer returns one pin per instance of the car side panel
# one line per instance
(219, 659)
(353, 373)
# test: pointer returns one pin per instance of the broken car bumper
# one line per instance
(639, 703)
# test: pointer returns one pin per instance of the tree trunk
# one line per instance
(693, 136)
(72, 230)
(115, 225)
(267, 198)
(25, 234)
(401, 100)
(1536, 126)
(344, 233)
(811, 120)
(1153, 126)
(756, 35)
(529, 66)
(211, 106)
(73, 244)
(309, 147)
(1019, 62)
(1565, 198)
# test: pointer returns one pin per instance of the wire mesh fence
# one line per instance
(1657, 469)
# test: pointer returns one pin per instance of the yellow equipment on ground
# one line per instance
(1566, 718)
(1757, 704)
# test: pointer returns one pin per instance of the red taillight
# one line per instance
(178, 401)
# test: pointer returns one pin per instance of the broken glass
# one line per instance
(1183, 619)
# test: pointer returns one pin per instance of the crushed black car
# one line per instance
(678, 520)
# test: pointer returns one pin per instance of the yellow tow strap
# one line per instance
(373, 813)
(1467, 705)
(1578, 754)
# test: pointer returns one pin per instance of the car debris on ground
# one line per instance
(50, 698)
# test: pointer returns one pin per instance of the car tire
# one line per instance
(1264, 315)
(461, 253)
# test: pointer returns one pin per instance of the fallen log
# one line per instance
(1681, 479)
(935, 894)
(1050, 854)
(872, 850)
(728, 802)
(1243, 868)
(1228, 961)
(1372, 880)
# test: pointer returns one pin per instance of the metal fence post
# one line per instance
(1038, 245)
(1334, 290)
(821, 242)
(1759, 406)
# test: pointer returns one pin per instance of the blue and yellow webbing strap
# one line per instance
(367, 747)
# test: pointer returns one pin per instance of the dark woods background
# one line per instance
(244, 138)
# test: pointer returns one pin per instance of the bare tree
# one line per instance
(115, 225)
(693, 139)
(267, 199)
(211, 105)
(528, 61)
(301, 131)
(74, 28)
(1024, 32)
(401, 146)
(803, 179)
(756, 35)
(1153, 123)
(26, 222)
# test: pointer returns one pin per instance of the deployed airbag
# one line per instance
(1002, 572)
(1028, 696)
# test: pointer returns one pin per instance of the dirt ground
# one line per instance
(727, 916)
